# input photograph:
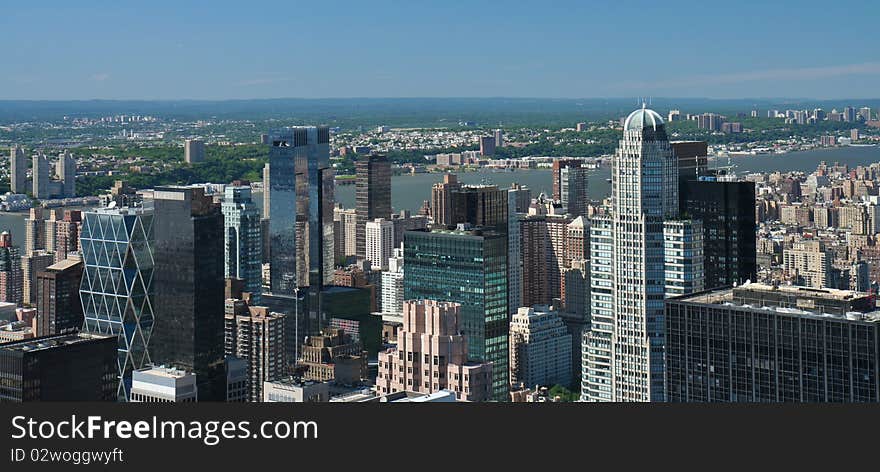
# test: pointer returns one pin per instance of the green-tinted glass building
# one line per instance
(467, 266)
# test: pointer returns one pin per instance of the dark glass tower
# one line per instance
(373, 195)
(467, 267)
(189, 286)
(727, 210)
(480, 205)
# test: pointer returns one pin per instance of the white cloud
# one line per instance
(802, 73)
(100, 77)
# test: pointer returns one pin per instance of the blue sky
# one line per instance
(379, 48)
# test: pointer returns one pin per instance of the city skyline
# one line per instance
(561, 50)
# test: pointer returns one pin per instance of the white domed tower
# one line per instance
(624, 349)
(645, 171)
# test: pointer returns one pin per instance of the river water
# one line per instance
(408, 192)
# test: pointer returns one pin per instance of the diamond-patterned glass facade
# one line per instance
(116, 290)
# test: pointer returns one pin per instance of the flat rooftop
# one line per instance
(65, 264)
(164, 372)
(50, 342)
(727, 297)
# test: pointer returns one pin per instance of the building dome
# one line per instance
(641, 119)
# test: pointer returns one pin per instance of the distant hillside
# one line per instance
(354, 112)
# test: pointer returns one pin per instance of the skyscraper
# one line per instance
(480, 205)
(117, 285)
(544, 253)
(727, 211)
(243, 239)
(373, 195)
(17, 170)
(189, 284)
(556, 170)
(49, 231)
(267, 206)
(31, 266)
(301, 208)
(193, 151)
(644, 193)
(66, 170)
(573, 190)
(40, 179)
(11, 278)
(256, 335)
(467, 267)
(35, 231)
(67, 234)
(392, 284)
(596, 348)
(58, 305)
(499, 138)
(441, 200)
(692, 159)
(380, 242)
(683, 249)
(518, 198)
(487, 145)
(345, 231)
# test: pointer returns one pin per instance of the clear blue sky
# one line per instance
(376, 48)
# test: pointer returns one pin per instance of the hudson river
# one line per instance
(409, 191)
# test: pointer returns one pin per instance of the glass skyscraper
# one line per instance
(467, 267)
(243, 241)
(189, 286)
(301, 208)
(117, 284)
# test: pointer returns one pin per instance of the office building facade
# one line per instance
(301, 208)
(727, 212)
(63, 367)
(117, 284)
(764, 343)
(243, 242)
(58, 306)
(372, 195)
(189, 282)
(467, 267)
(11, 275)
(379, 242)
